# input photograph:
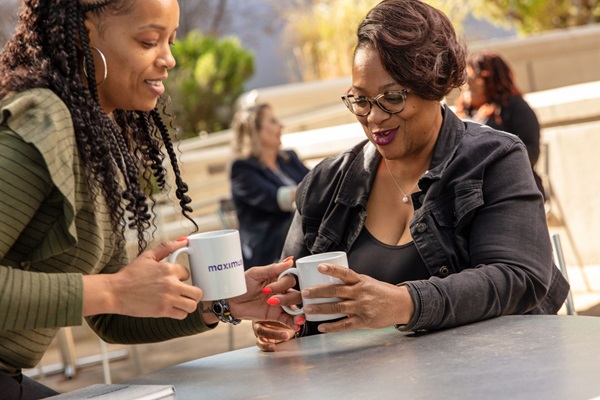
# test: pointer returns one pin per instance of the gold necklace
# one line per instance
(405, 198)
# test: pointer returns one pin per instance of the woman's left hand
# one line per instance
(367, 302)
(262, 283)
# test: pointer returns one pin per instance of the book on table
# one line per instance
(120, 392)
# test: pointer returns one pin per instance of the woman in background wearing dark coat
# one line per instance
(493, 99)
(263, 183)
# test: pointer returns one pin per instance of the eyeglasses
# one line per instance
(391, 102)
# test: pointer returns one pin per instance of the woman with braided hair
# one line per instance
(80, 144)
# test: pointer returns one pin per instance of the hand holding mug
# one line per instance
(146, 287)
(263, 284)
(217, 268)
(216, 263)
(309, 276)
(369, 303)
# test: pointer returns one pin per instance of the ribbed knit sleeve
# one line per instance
(132, 330)
(32, 299)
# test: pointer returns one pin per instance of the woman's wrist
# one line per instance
(405, 306)
(205, 310)
(98, 295)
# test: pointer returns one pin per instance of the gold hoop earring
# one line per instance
(103, 62)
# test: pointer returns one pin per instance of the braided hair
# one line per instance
(49, 35)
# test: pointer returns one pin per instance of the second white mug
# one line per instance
(308, 276)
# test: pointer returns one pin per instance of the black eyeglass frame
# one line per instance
(347, 98)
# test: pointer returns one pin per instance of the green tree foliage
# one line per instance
(322, 35)
(208, 78)
(534, 16)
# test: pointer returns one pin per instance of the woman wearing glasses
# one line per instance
(441, 219)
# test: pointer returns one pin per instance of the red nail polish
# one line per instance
(273, 301)
(267, 290)
(181, 239)
(288, 258)
(298, 327)
(300, 320)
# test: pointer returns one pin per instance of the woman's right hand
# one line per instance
(147, 287)
(270, 333)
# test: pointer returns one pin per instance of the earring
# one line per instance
(103, 62)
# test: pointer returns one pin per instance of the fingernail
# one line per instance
(305, 293)
(300, 320)
(181, 239)
(298, 327)
(273, 301)
(288, 259)
(267, 290)
(308, 309)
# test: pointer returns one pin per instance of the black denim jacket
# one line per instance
(479, 224)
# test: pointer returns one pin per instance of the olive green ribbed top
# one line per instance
(51, 233)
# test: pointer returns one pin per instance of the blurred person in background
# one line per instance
(492, 98)
(263, 183)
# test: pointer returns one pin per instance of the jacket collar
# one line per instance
(358, 181)
(363, 167)
(451, 133)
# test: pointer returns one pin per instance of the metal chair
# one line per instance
(227, 214)
(560, 260)
(70, 363)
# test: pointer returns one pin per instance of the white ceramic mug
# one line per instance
(216, 263)
(308, 276)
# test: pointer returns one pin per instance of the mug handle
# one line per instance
(177, 252)
(288, 310)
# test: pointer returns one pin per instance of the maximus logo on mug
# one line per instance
(221, 267)
(216, 263)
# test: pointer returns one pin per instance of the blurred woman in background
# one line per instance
(493, 99)
(263, 183)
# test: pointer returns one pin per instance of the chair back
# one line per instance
(560, 260)
(227, 214)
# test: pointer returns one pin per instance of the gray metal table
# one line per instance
(513, 357)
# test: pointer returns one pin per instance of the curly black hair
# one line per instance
(127, 147)
(418, 46)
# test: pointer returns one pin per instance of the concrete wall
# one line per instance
(570, 117)
(546, 61)
(573, 153)
(552, 59)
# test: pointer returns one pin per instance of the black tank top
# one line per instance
(391, 264)
(386, 263)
